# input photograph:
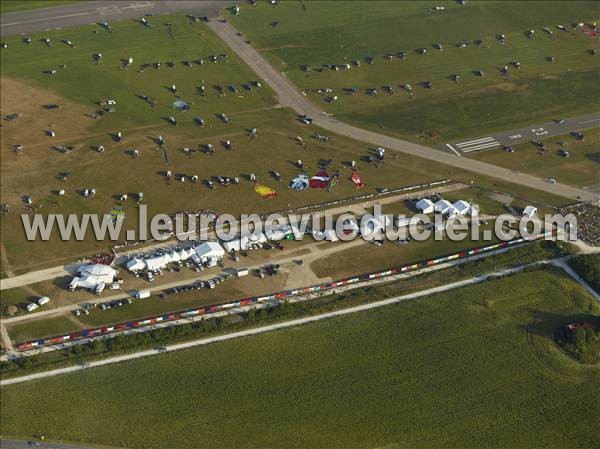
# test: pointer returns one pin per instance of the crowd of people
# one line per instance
(588, 221)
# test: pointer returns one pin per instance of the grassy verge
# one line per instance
(385, 378)
(42, 328)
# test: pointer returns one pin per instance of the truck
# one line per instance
(31, 307)
(74, 283)
(141, 294)
(43, 300)
(241, 272)
(99, 288)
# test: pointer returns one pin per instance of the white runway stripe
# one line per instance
(480, 147)
(453, 149)
(471, 142)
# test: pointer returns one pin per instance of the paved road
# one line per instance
(289, 96)
(264, 329)
(87, 12)
(38, 276)
(526, 134)
(562, 263)
(16, 444)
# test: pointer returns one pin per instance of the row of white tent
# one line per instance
(204, 252)
(445, 207)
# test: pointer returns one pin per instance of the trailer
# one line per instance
(142, 294)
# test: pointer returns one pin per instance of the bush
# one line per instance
(588, 267)
(581, 343)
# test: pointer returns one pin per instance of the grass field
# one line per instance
(25, 88)
(387, 378)
(7, 6)
(326, 33)
(582, 168)
(42, 328)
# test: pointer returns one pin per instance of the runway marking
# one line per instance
(453, 149)
(470, 142)
(539, 131)
(481, 147)
(590, 121)
(45, 19)
(477, 144)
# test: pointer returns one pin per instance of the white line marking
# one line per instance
(452, 148)
(590, 121)
(481, 147)
(45, 19)
(462, 144)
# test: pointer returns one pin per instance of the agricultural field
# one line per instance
(581, 168)
(294, 35)
(366, 380)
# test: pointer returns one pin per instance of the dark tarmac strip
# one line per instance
(17, 444)
(88, 12)
(534, 132)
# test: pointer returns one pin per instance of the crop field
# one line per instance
(392, 377)
(320, 34)
(581, 168)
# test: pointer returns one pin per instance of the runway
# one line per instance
(542, 131)
(88, 12)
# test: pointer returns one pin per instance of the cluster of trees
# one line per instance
(588, 267)
(581, 343)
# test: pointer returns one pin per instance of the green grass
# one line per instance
(41, 328)
(85, 81)
(386, 378)
(336, 33)
(16, 296)
(22, 5)
(582, 168)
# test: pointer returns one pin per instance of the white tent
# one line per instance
(244, 242)
(90, 276)
(232, 245)
(209, 250)
(135, 264)
(278, 232)
(426, 206)
(462, 207)
(443, 206)
(529, 211)
(157, 262)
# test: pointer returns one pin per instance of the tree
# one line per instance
(11, 310)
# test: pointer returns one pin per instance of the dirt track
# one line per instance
(289, 96)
